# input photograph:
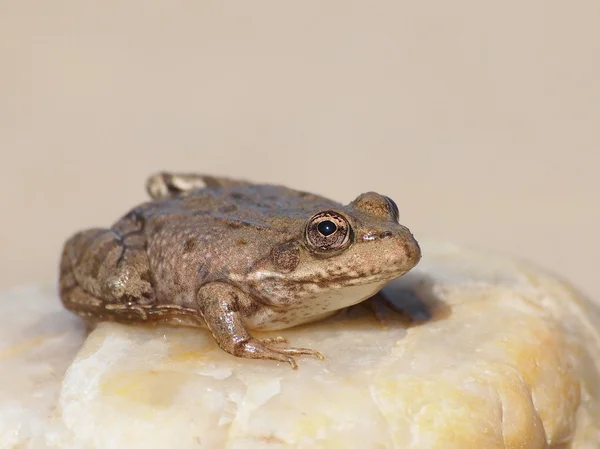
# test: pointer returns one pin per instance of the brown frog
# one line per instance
(235, 256)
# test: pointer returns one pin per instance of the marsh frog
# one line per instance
(235, 256)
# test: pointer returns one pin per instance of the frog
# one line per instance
(235, 257)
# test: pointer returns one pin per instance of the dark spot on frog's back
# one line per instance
(190, 245)
(158, 227)
(237, 195)
(234, 224)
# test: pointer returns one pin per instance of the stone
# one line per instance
(500, 355)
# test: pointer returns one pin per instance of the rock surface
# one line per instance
(510, 358)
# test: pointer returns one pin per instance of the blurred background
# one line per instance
(481, 119)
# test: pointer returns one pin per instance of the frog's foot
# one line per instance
(170, 185)
(264, 348)
(222, 308)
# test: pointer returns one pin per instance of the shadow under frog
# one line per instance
(408, 301)
(238, 257)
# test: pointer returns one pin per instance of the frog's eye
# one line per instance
(328, 231)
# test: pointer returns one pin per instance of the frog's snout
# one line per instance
(395, 250)
(413, 250)
(406, 251)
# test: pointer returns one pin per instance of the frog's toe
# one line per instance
(275, 354)
(265, 349)
(289, 351)
(260, 349)
(292, 362)
(300, 351)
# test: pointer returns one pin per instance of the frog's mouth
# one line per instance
(349, 280)
(284, 291)
(315, 285)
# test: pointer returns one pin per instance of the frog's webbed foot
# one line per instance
(170, 185)
(264, 348)
(221, 311)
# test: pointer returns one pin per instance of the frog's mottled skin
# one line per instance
(235, 256)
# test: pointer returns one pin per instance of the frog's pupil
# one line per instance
(327, 227)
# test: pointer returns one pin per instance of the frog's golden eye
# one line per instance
(328, 231)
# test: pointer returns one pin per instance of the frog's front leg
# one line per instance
(222, 307)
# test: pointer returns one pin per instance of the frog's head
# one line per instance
(358, 245)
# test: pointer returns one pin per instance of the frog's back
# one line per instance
(262, 205)
(218, 233)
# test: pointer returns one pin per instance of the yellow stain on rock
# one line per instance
(22, 347)
(181, 353)
(456, 421)
(151, 388)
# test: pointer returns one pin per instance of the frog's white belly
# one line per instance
(313, 308)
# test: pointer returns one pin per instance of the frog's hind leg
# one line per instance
(170, 185)
(103, 278)
(74, 297)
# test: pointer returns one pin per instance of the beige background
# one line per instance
(479, 118)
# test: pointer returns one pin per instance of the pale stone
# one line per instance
(510, 359)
